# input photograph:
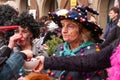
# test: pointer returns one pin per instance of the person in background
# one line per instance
(112, 36)
(43, 19)
(12, 4)
(7, 14)
(113, 16)
(49, 29)
(92, 19)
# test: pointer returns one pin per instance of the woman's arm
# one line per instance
(14, 63)
(86, 63)
(5, 51)
(4, 54)
(11, 66)
(90, 62)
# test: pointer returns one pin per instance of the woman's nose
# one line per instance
(64, 29)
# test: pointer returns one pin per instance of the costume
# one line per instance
(9, 66)
(4, 54)
(85, 63)
(83, 49)
(79, 15)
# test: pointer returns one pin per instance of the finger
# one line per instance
(39, 68)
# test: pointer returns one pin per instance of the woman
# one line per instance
(27, 31)
(23, 35)
(79, 36)
(86, 63)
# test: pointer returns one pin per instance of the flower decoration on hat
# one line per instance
(78, 14)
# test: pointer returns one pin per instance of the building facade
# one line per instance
(42, 7)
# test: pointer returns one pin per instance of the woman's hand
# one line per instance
(22, 78)
(40, 66)
(28, 53)
(14, 39)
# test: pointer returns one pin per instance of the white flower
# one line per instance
(51, 26)
(62, 12)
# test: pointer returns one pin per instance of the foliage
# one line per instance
(53, 43)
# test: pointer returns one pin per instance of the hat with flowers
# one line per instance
(78, 14)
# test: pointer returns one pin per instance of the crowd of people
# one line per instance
(83, 55)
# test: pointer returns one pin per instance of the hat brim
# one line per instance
(6, 28)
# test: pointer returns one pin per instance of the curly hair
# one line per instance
(7, 14)
(26, 20)
(38, 76)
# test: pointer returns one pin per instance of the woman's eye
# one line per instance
(25, 31)
(62, 25)
(16, 31)
(70, 26)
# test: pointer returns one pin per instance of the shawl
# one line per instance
(67, 52)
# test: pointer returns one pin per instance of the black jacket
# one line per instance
(86, 63)
(4, 54)
(115, 34)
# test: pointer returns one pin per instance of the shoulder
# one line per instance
(4, 48)
(90, 49)
(58, 49)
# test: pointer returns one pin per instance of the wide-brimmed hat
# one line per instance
(78, 14)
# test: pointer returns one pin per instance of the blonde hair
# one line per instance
(86, 35)
(38, 76)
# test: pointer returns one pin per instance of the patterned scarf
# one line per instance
(67, 52)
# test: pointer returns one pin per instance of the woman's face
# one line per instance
(70, 31)
(26, 36)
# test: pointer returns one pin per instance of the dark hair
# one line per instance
(26, 20)
(45, 18)
(115, 9)
(7, 14)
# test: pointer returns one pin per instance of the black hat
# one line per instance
(78, 14)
